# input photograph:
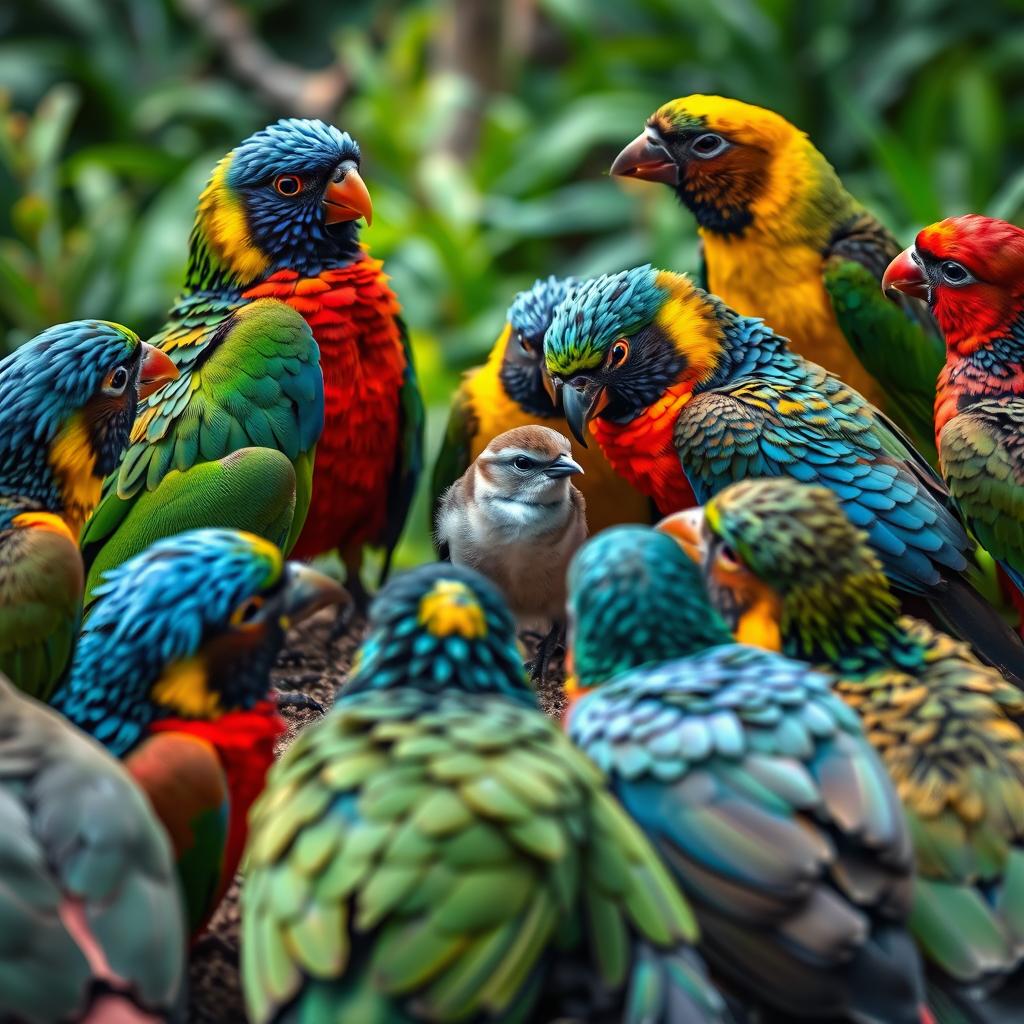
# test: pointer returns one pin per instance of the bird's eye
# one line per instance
(525, 344)
(954, 273)
(117, 381)
(618, 353)
(288, 185)
(521, 462)
(708, 145)
(727, 558)
(244, 614)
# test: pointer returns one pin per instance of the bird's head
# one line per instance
(622, 341)
(525, 474)
(189, 629)
(69, 396)
(731, 164)
(522, 359)
(787, 569)
(288, 197)
(635, 598)
(441, 627)
(970, 270)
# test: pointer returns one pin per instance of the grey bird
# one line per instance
(516, 517)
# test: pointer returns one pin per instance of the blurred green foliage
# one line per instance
(112, 113)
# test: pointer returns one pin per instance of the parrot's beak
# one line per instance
(687, 529)
(306, 591)
(905, 274)
(346, 198)
(646, 158)
(156, 370)
(582, 400)
(564, 465)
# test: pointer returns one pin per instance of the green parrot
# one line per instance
(436, 850)
(949, 729)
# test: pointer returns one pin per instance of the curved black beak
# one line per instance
(582, 400)
(647, 159)
(307, 591)
(564, 465)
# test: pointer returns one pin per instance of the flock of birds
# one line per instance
(788, 782)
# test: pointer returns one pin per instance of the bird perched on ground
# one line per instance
(92, 920)
(948, 728)
(278, 220)
(250, 380)
(435, 850)
(783, 240)
(754, 783)
(172, 675)
(971, 272)
(508, 391)
(67, 402)
(516, 517)
(685, 396)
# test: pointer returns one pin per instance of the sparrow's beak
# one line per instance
(582, 400)
(905, 274)
(156, 370)
(564, 465)
(647, 159)
(346, 197)
(307, 591)
(687, 529)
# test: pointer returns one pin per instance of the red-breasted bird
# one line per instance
(278, 220)
(508, 391)
(172, 675)
(67, 402)
(785, 241)
(949, 730)
(970, 270)
(686, 396)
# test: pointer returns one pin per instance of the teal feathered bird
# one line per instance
(685, 396)
(91, 923)
(67, 401)
(435, 849)
(754, 783)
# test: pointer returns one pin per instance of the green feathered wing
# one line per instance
(897, 342)
(250, 378)
(425, 858)
(454, 457)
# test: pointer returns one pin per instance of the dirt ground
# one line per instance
(314, 664)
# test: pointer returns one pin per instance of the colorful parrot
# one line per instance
(436, 850)
(67, 401)
(277, 220)
(253, 382)
(172, 675)
(783, 240)
(971, 272)
(91, 914)
(508, 391)
(685, 396)
(754, 783)
(949, 729)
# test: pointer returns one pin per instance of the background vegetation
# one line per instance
(486, 125)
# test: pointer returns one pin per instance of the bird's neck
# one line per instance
(749, 346)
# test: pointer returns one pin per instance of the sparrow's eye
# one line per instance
(288, 185)
(244, 614)
(619, 352)
(521, 462)
(708, 145)
(117, 381)
(954, 273)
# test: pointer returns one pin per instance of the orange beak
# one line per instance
(156, 370)
(905, 274)
(644, 158)
(686, 528)
(347, 199)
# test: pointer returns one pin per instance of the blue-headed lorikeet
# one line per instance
(785, 241)
(971, 272)
(686, 396)
(92, 925)
(436, 850)
(949, 729)
(508, 391)
(754, 783)
(67, 401)
(172, 675)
